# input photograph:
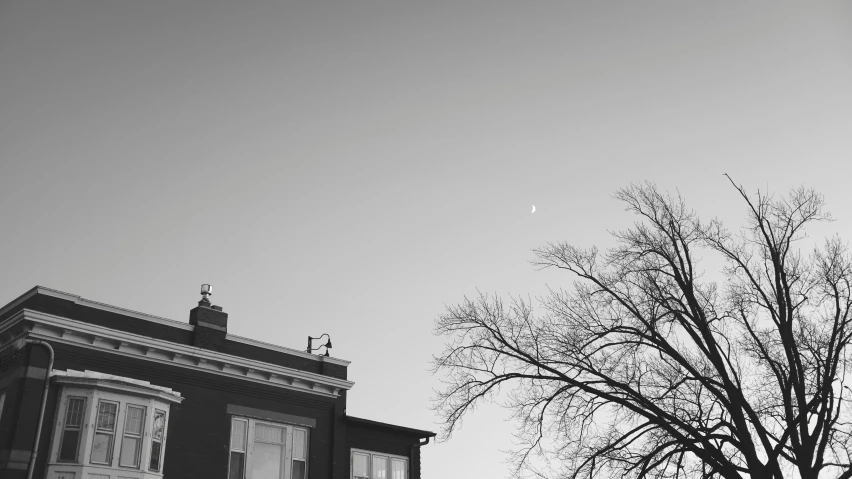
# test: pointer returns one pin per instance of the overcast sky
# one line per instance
(350, 167)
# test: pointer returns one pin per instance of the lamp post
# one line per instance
(327, 345)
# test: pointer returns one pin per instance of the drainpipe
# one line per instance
(411, 461)
(18, 345)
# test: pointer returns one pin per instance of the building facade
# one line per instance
(108, 393)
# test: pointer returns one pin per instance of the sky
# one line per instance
(352, 168)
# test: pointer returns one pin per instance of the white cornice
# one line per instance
(68, 331)
(157, 319)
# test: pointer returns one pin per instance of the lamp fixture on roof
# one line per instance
(327, 345)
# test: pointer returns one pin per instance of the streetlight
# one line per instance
(327, 345)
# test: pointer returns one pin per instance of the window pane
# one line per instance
(267, 433)
(133, 421)
(266, 461)
(397, 469)
(159, 425)
(298, 470)
(300, 437)
(106, 416)
(238, 435)
(380, 467)
(359, 464)
(154, 465)
(68, 448)
(74, 412)
(238, 461)
(130, 451)
(102, 448)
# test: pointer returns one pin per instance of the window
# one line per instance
(157, 432)
(269, 450)
(300, 446)
(376, 465)
(239, 428)
(69, 442)
(399, 468)
(104, 433)
(360, 465)
(380, 467)
(131, 443)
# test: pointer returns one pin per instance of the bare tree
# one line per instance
(645, 369)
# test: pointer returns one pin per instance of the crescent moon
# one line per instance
(533, 211)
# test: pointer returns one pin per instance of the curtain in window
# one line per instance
(397, 469)
(359, 465)
(380, 467)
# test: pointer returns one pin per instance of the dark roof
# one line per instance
(406, 430)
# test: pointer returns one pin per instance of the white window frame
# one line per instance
(140, 436)
(162, 441)
(248, 459)
(112, 433)
(370, 454)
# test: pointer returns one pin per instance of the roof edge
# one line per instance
(158, 319)
(420, 433)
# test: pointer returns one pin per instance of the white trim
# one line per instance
(157, 319)
(77, 333)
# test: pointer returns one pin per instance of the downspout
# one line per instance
(31, 467)
(411, 462)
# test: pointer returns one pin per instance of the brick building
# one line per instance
(130, 395)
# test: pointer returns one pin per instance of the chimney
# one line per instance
(211, 323)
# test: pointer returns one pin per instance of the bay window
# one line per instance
(377, 465)
(109, 422)
(261, 449)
